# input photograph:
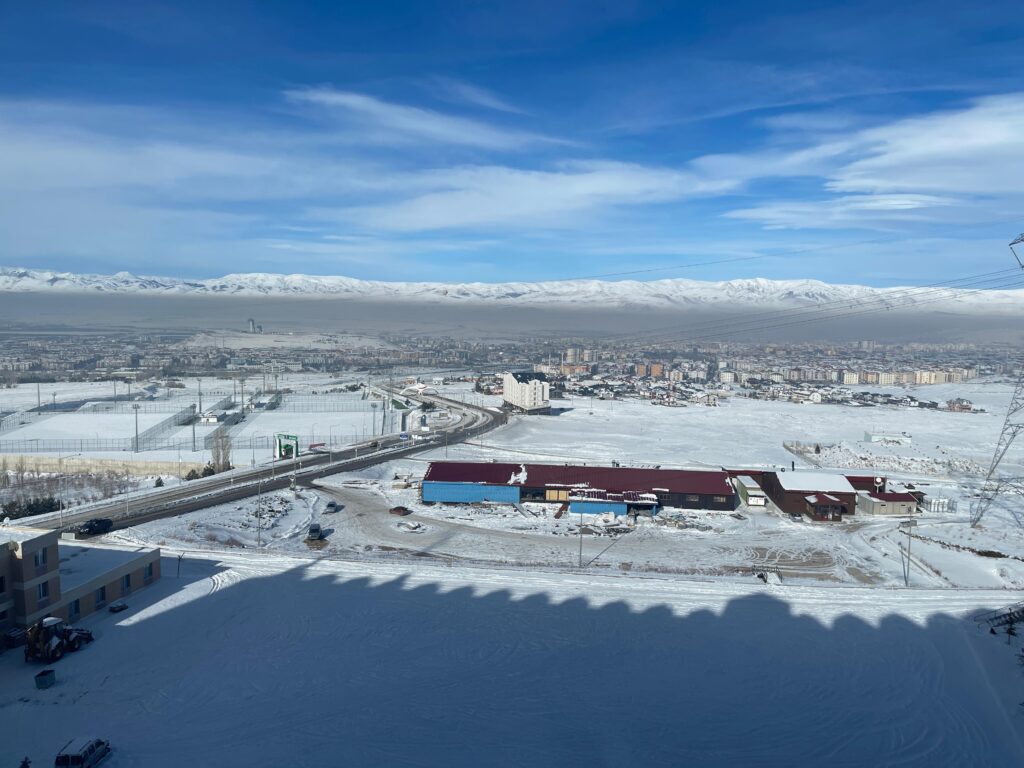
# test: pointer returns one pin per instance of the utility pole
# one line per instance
(135, 407)
(1013, 426)
(907, 525)
(39, 402)
(581, 536)
(200, 400)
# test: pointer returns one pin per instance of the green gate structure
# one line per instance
(286, 446)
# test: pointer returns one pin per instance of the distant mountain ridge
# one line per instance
(661, 294)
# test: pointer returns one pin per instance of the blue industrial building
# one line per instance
(469, 493)
(580, 489)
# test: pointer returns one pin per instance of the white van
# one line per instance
(82, 753)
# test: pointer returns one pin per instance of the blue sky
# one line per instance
(872, 142)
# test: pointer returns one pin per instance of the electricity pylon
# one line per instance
(996, 484)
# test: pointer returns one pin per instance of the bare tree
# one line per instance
(220, 452)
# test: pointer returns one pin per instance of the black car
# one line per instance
(96, 526)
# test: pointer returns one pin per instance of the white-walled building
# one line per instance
(526, 392)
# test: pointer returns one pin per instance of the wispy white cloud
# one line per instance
(480, 196)
(458, 90)
(954, 166)
(389, 122)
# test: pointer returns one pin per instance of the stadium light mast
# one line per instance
(1013, 426)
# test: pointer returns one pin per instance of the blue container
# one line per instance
(597, 507)
(469, 493)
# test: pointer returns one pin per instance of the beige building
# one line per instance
(886, 503)
(41, 575)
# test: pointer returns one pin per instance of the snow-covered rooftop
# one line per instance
(824, 482)
(17, 534)
(81, 563)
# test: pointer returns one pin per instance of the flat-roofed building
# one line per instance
(790, 492)
(41, 575)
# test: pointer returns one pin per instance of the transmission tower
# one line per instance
(996, 484)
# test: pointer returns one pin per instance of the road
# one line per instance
(153, 504)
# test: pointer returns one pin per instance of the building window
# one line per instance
(40, 557)
(147, 574)
(74, 609)
(720, 500)
(43, 592)
(101, 597)
(692, 498)
(3, 616)
(126, 584)
(3, 584)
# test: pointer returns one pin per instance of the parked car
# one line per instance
(117, 607)
(332, 506)
(96, 526)
(82, 753)
(315, 532)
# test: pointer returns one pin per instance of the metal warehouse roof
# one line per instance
(820, 482)
(612, 479)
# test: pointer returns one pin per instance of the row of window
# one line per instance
(43, 591)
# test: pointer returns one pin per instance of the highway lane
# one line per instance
(153, 504)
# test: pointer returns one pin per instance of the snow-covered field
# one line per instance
(338, 427)
(273, 661)
(863, 551)
(85, 426)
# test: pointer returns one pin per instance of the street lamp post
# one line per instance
(135, 407)
(259, 514)
(581, 536)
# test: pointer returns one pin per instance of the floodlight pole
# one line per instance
(135, 406)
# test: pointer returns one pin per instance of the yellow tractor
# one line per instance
(49, 639)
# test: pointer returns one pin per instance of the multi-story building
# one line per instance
(526, 392)
(43, 576)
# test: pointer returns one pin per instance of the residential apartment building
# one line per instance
(526, 392)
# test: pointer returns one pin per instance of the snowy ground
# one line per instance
(946, 551)
(85, 426)
(339, 427)
(271, 660)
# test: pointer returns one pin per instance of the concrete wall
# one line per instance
(75, 464)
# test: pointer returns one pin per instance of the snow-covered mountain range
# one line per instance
(661, 294)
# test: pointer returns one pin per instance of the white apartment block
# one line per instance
(526, 393)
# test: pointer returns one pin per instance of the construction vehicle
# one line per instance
(49, 639)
